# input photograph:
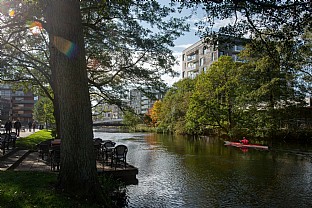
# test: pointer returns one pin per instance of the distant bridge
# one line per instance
(113, 122)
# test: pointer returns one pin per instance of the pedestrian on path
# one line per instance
(17, 126)
(34, 126)
(8, 127)
(29, 126)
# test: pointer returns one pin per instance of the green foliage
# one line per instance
(213, 103)
(131, 120)
(271, 87)
(43, 111)
(37, 189)
(266, 20)
(174, 106)
(29, 189)
(128, 46)
(121, 48)
(256, 98)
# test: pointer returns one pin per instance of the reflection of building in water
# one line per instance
(16, 104)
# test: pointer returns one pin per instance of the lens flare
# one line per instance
(65, 46)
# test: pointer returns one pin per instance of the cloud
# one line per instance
(183, 45)
(178, 68)
(217, 23)
(171, 80)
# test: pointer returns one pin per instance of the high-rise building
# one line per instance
(199, 56)
(5, 110)
(18, 104)
(141, 103)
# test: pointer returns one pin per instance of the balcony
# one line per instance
(192, 67)
(238, 48)
(22, 108)
(191, 58)
(23, 101)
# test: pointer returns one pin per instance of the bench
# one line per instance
(7, 141)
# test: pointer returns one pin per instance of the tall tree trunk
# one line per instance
(78, 173)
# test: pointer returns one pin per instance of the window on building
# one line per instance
(205, 69)
(234, 57)
(221, 53)
(237, 59)
(201, 61)
(183, 57)
(238, 48)
(191, 66)
(191, 57)
(212, 56)
(19, 93)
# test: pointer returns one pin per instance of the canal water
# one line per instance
(189, 172)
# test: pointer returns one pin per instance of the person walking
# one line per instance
(34, 126)
(8, 127)
(17, 126)
(29, 125)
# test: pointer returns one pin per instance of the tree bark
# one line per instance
(78, 174)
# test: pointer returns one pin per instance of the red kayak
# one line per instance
(238, 144)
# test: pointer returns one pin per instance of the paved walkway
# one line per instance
(33, 162)
(23, 160)
(27, 133)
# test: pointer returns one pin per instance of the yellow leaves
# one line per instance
(155, 112)
(11, 13)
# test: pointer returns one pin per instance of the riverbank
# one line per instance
(31, 182)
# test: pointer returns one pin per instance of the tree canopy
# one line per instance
(127, 45)
(68, 47)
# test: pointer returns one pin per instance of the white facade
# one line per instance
(141, 103)
(198, 57)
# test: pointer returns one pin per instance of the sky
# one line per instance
(184, 41)
(189, 38)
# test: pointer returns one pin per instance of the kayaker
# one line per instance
(244, 141)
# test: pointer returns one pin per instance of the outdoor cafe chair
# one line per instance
(98, 147)
(55, 157)
(4, 142)
(44, 148)
(98, 140)
(108, 147)
(13, 137)
(119, 155)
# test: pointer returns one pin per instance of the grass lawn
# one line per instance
(19, 189)
(32, 140)
(23, 189)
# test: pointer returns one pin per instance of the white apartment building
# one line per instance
(141, 103)
(199, 56)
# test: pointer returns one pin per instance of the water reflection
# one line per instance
(188, 172)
